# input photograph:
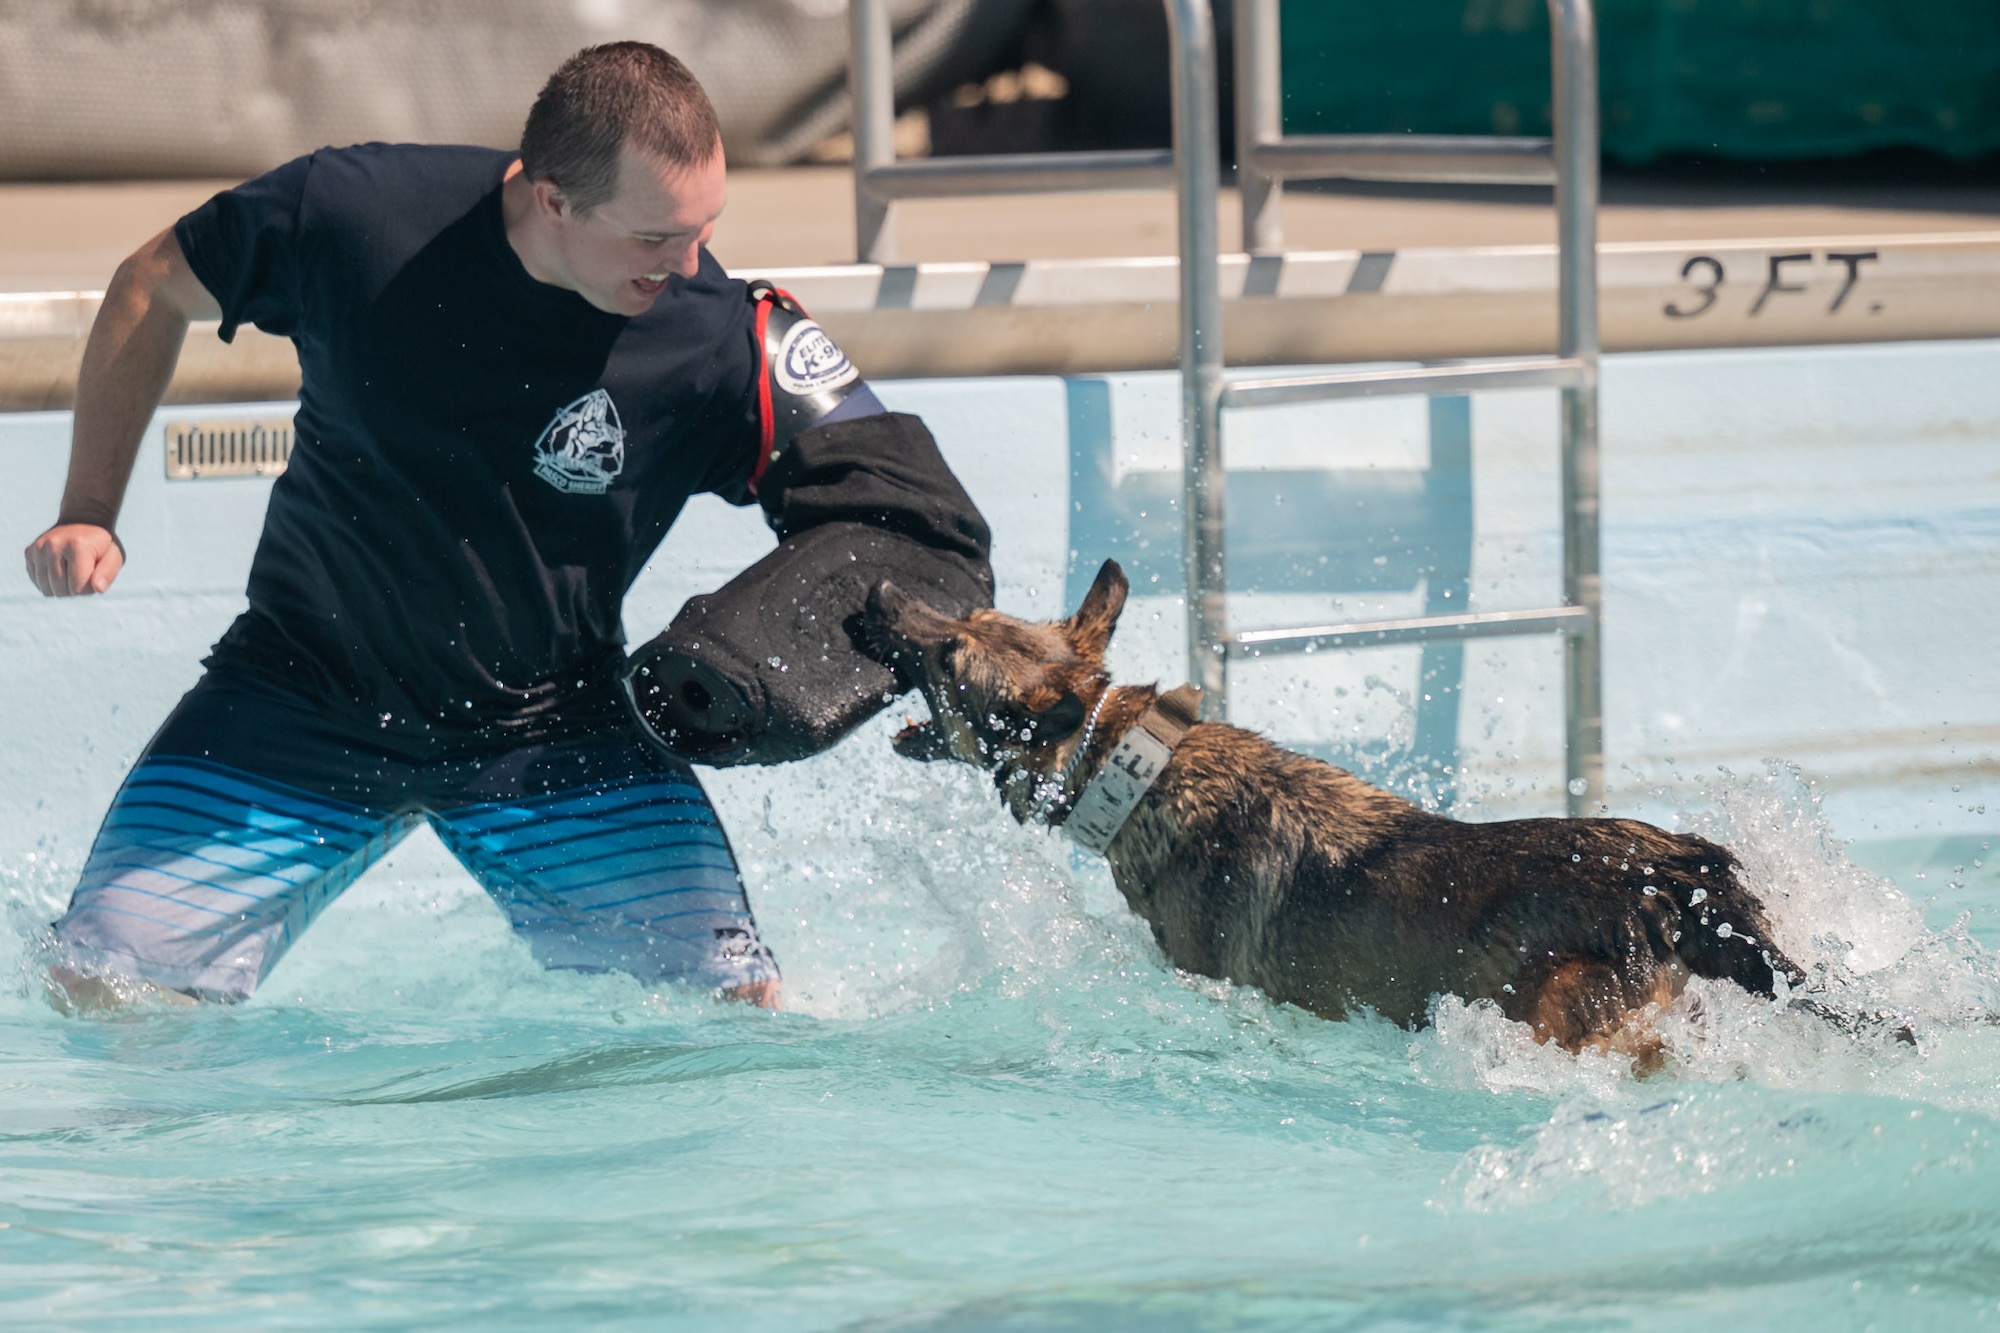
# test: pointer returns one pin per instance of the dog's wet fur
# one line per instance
(1272, 869)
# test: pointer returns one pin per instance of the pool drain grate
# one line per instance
(243, 447)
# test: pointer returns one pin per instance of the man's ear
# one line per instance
(1060, 720)
(1090, 628)
(549, 197)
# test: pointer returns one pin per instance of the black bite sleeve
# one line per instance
(772, 666)
(883, 470)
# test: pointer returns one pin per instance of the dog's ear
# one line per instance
(1090, 628)
(1060, 720)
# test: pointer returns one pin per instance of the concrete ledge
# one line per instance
(41, 344)
(1095, 315)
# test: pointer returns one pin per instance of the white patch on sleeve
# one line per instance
(809, 361)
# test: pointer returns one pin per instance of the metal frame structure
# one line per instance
(880, 180)
(1267, 158)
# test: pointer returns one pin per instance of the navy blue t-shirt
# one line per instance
(483, 463)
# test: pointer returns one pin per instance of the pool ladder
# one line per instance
(1266, 158)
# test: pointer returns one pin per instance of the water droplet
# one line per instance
(1576, 856)
(1698, 896)
(1725, 930)
(1577, 786)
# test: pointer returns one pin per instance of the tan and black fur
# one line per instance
(1276, 870)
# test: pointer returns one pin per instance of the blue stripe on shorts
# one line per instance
(635, 875)
(222, 847)
(200, 879)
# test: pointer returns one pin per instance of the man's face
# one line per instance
(618, 255)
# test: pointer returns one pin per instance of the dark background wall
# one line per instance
(1752, 80)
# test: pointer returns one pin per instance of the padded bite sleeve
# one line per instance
(770, 667)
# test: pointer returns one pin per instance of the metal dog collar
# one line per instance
(1135, 763)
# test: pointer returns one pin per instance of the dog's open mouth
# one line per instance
(921, 741)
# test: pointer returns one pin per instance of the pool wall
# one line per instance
(1801, 554)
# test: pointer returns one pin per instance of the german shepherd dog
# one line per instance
(1272, 869)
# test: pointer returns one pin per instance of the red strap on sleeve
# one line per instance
(767, 427)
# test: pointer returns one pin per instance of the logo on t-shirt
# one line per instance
(809, 361)
(583, 450)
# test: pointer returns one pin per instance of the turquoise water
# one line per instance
(993, 1106)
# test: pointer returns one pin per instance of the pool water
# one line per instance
(993, 1105)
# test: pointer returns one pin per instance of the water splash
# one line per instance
(1828, 913)
(993, 1083)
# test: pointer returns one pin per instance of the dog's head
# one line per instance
(1005, 694)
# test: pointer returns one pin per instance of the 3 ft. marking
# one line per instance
(1706, 274)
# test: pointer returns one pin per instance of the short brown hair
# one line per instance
(604, 97)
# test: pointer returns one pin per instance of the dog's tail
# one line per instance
(1722, 931)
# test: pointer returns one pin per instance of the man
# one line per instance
(515, 373)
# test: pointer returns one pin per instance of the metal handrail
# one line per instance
(1194, 168)
(1265, 157)
(880, 179)
(1574, 39)
(1458, 159)
(1533, 372)
(1412, 629)
(1020, 173)
(1197, 153)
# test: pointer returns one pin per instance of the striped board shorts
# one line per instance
(252, 810)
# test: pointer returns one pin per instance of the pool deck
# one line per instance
(56, 237)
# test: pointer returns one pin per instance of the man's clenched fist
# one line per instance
(74, 560)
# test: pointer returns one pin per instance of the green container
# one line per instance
(1767, 80)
